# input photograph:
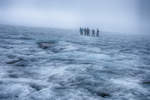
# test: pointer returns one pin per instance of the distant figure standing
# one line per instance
(85, 31)
(97, 33)
(88, 32)
(93, 32)
(81, 31)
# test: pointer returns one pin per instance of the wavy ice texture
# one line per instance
(72, 67)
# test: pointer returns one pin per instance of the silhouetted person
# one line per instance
(85, 31)
(93, 32)
(88, 32)
(97, 33)
(81, 31)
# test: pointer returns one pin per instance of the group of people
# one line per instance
(88, 32)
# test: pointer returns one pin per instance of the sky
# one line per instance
(144, 18)
(108, 15)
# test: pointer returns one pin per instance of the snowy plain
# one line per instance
(72, 67)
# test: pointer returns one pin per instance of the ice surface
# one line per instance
(72, 67)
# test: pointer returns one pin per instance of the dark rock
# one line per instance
(18, 62)
(36, 87)
(103, 94)
(45, 45)
(14, 61)
(146, 82)
(97, 92)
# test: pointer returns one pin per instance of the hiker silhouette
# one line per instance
(81, 31)
(93, 32)
(97, 33)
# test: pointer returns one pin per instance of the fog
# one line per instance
(144, 18)
(108, 15)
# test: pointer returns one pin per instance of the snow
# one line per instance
(72, 67)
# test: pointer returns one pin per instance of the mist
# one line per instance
(74, 50)
(108, 15)
(144, 18)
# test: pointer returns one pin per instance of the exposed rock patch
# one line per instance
(45, 45)
(18, 62)
(103, 94)
(14, 61)
(146, 82)
(36, 86)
